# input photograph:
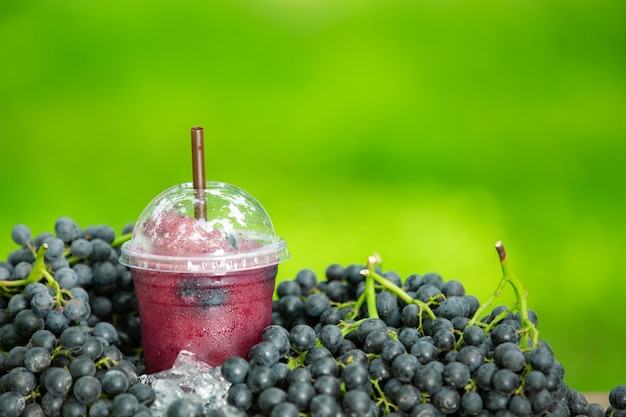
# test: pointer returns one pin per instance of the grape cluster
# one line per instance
(363, 342)
(69, 331)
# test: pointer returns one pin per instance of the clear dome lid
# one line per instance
(235, 235)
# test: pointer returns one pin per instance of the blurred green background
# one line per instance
(424, 131)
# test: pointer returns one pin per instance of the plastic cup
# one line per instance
(202, 285)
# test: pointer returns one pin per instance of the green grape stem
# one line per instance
(121, 239)
(399, 292)
(38, 272)
(370, 291)
(529, 333)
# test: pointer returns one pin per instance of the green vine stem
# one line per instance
(121, 239)
(39, 271)
(370, 272)
(529, 333)
(370, 291)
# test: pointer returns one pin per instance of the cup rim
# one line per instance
(210, 263)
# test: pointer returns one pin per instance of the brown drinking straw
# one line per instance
(199, 181)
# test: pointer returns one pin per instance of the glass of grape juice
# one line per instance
(204, 283)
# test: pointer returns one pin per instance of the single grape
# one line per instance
(520, 405)
(308, 280)
(260, 378)
(12, 404)
(285, 409)
(334, 272)
(235, 369)
(357, 403)
(58, 381)
(144, 393)
(324, 366)
(21, 234)
(28, 322)
(124, 405)
(52, 405)
(82, 366)
(375, 341)
(114, 382)
(56, 322)
(404, 367)
(87, 389)
(81, 248)
(315, 304)
(73, 337)
(84, 274)
(271, 397)
(428, 380)
(302, 337)
(240, 396)
(184, 407)
(425, 351)
(45, 339)
(263, 353)
(379, 370)
(73, 408)
(288, 287)
(56, 247)
(32, 410)
(356, 377)
(542, 358)
(76, 309)
(407, 396)
(471, 403)
(66, 229)
(456, 374)
(37, 359)
(300, 393)
(101, 408)
(617, 397)
(505, 381)
(106, 331)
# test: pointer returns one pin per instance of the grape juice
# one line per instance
(213, 316)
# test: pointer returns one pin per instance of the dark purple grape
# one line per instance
(471, 403)
(327, 384)
(260, 378)
(324, 366)
(356, 377)
(447, 400)
(357, 403)
(124, 405)
(300, 394)
(334, 272)
(58, 381)
(235, 369)
(114, 382)
(505, 381)
(407, 396)
(428, 380)
(73, 408)
(37, 359)
(456, 375)
(144, 393)
(404, 367)
(263, 353)
(308, 280)
(240, 396)
(185, 407)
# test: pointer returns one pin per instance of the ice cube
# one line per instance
(188, 378)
